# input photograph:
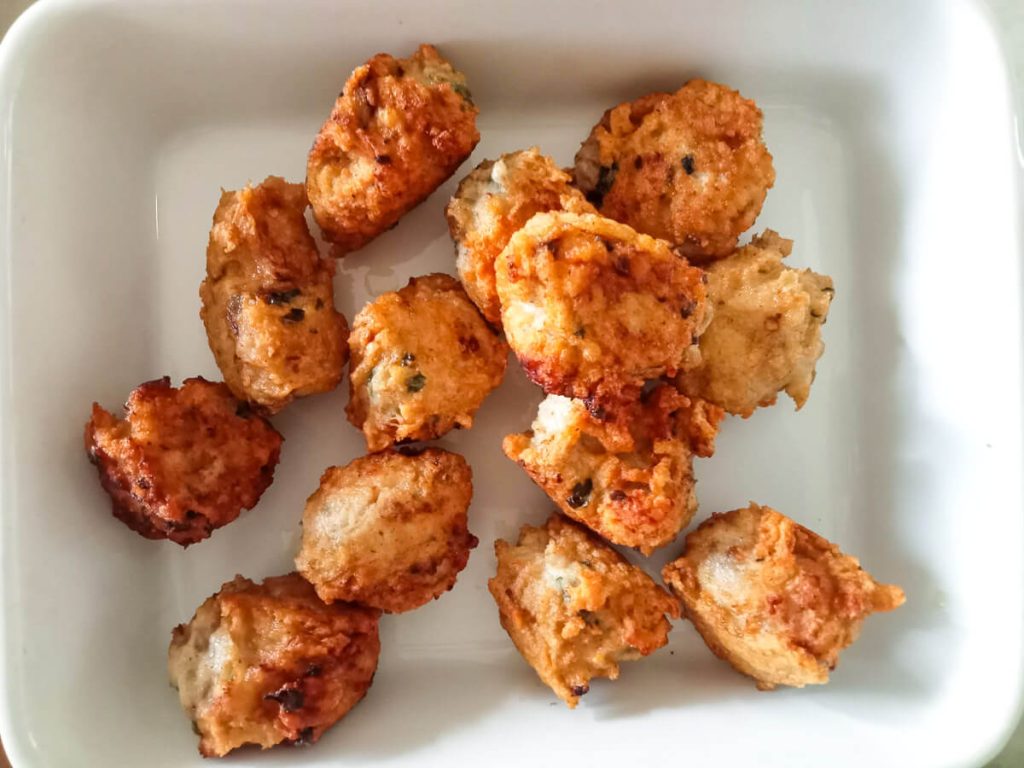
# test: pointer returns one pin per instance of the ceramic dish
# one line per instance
(892, 130)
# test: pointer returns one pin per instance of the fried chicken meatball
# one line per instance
(574, 607)
(268, 298)
(182, 461)
(772, 598)
(689, 167)
(765, 335)
(630, 481)
(399, 128)
(269, 663)
(492, 203)
(389, 529)
(423, 360)
(592, 309)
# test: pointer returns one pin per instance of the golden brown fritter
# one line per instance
(772, 598)
(183, 461)
(423, 360)
(269, 664)
(268, 298)
(574, 607)
(492, 203)
(389, 529)
(689, 167)
(592, 309)
(765, 335)
(399, 128)
(631, 480)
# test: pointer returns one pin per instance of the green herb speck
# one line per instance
(463, 91)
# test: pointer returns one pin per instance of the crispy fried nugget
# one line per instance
(398, 130)
(631, 480)
(270, 663)
(388, 530)
(765, 336)
(268, 298)
(492, 203)
(423, 360)
(592, 309)
(575, 608)
(689, 167)
(772, 598)
(183, 461)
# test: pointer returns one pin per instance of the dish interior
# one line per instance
(895, 176)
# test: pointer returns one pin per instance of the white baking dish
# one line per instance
(892, 130)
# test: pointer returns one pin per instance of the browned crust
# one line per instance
(578, 271)
(574, 630)
(766, 333)
(306, 664)
(405, 569)
(701, 420)
(414, 587)
(268, 298)
(482, 224)
(191, 424)
(689, 167)
(460, 357)
(628, 478)
(795, 600)
(412, 136)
